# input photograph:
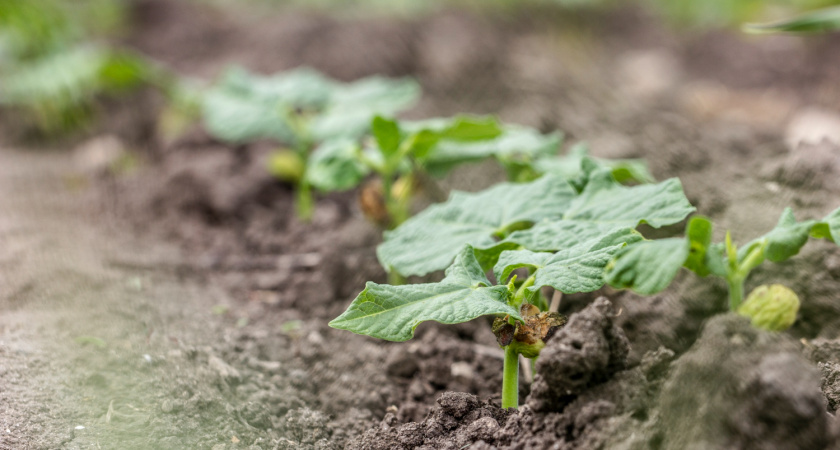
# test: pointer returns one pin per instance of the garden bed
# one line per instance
(183, 305)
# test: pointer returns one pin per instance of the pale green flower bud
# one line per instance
(772, 307)
(286, 165)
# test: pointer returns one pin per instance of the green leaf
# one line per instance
(828, 228)
(833, 221)
(334, 166)
(387, 135)
(297, 88)
(422, 142)
(393, 312)
(578, 268)
(783, 241)
(353, 106)
(571, 166)
(603, 208)
(300, 104)
(458, 128)
(699, 236)
(655, 204)
(648, 267)
(821, 20)
(429, 240)
(63, 78)
(514, 144)
(232, 117)
(472, 129)
(424, 135)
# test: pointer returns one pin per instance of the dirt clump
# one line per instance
(740, 387)
(606, 398)
(587, 351)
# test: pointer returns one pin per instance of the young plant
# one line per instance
(649, 267)
(303, 110)
(396, 155)
(557, 236)
(58, 90)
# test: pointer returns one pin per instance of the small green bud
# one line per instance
(772, 307)
(286, 165)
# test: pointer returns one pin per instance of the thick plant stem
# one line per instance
(523, 291)
(736, 292)
(510, 381)
(395, 279)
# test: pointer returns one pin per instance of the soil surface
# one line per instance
(178, 303)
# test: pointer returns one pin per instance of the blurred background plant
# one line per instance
(55, 60)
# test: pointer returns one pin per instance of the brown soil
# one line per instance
(181, 305)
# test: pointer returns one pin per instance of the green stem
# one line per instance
(736, 292)
(510, 381)
(303, 201)
(519, 297)
(395, 278)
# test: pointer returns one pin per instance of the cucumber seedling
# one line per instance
(553, 234)
(304, 111)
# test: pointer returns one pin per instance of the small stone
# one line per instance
(100, 154)
(462, 371)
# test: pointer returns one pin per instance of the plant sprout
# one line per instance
(556, 236)
(648, 267)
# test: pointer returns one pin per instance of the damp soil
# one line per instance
(178, 303)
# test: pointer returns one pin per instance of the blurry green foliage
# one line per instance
(49, 67)
(730, 12)
(821, 20)
(33, 28)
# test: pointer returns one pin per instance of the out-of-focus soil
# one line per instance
(181, 305)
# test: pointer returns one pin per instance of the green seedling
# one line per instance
(58, 90)
(649, 267)
(314, 117)
(398, 154)
(546, 230)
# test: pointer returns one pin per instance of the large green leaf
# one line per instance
(606, 203)
(231, 117)
(297, 88)
(393, 312)
(822, 20)
(429, 240)
(352, 107)
(514, 143)
(243, 107)
(334, 166)
(603, 208)
(576, 268)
